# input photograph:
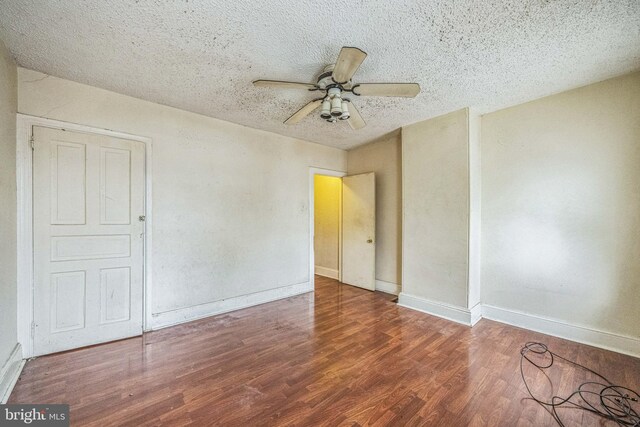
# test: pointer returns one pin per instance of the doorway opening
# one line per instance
(342, 227)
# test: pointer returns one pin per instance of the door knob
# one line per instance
(370, 241)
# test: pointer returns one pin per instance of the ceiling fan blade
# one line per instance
(355, 119)
(279, 83)
(407, 90)
(347, 64)
(303, 112)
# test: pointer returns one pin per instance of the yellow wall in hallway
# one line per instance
(327, 195)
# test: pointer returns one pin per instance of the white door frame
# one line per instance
(312, 268)
(24, 178)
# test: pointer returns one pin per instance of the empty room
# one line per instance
(247, 213)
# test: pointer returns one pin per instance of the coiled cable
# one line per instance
(603, 398)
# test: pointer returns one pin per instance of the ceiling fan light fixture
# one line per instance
(336, 81)
(336, 106)
(345, 111)
(325, 113)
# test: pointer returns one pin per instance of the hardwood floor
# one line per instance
(341, 356)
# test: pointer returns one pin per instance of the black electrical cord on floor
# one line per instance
(612, 402)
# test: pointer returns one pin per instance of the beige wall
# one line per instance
(561, 207)
(383, 157)
(8, 105)
(435, 186)
(230, 203)
(475, 208)
(327, 195)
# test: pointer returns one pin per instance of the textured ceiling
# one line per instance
(201, 56)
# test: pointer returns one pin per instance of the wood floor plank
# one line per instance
(339, 356)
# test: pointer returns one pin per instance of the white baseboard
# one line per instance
(388, 287)
(327, 272)
(606, 340)
(476, 313)
(187, 314)
(10, 372)
(446, 311)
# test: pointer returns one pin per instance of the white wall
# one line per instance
(435, 186)
(561, 207)
(8, 294)
(441, 183)
(327, 194)
(230, 203)
(384, 158)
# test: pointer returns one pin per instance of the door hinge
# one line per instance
(33, 329)
(32, 143)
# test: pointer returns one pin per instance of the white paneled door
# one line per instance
(88, 213)
(359, 230)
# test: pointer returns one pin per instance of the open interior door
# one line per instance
(359, 230)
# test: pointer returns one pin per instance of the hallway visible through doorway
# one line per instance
(327, 225)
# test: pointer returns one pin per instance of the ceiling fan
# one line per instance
(334, 82)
